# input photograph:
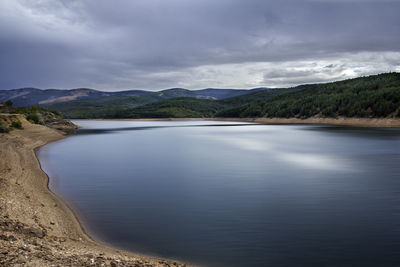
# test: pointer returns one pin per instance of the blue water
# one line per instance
(235, 194)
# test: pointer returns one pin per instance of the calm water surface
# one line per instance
(227, 194)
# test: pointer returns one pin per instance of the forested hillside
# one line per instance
(374, 96)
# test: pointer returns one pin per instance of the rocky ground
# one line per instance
(25, 245)
(36, 227)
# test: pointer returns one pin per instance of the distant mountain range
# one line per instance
(376, 96)
(34, 96)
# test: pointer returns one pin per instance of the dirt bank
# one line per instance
(356, 122)
(36, 227)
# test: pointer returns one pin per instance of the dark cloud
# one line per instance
(153, 44)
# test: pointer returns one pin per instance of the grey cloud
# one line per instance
(146, 44)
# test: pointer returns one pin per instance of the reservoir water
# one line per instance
(235, 194)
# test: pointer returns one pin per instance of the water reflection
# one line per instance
(224, 194)
(305, 160)
(317, 161)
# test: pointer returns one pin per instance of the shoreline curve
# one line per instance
(38, 227)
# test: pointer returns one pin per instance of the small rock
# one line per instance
(36, 232)
(99, 260)
(8, 238)
(24, 249)
(113, 264)
(21, 260)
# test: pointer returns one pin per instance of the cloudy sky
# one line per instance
(157, 44)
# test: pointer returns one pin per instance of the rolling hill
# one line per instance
(376, 96)
(185, 107)
(34, 96)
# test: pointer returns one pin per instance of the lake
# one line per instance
(234, 194)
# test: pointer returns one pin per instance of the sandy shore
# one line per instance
(36, 227)
(341, 121)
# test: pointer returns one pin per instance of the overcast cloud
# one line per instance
(156, 44)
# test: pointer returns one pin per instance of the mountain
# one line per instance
(120, 106)
(374, 96)
(261, 93)
(104, 107)
(90, 103)
(34, 96)
(182, 107)
(226, 93)
(151, 106)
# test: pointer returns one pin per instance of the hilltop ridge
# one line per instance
(375, 96)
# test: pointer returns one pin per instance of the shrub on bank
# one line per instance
(35, 118)
(16, 124)
(4, 129)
